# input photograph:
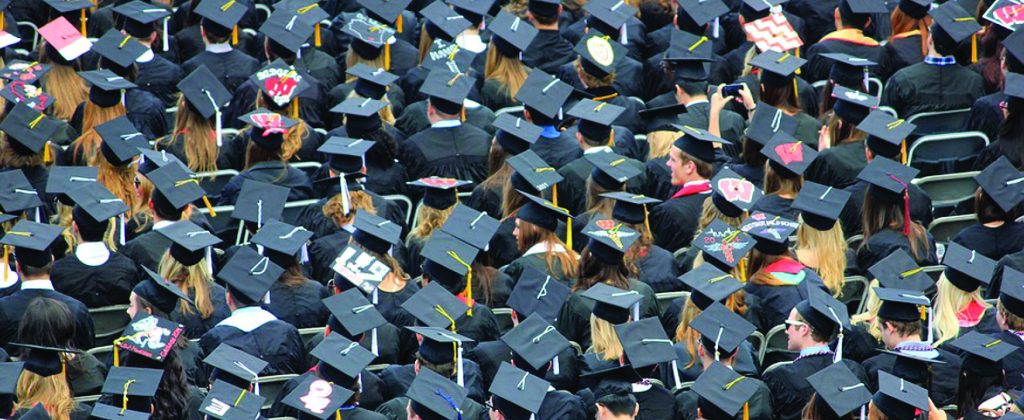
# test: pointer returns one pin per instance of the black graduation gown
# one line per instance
(557, 151)
(656, 402)
(95, 286)
(777, 301)
(759, 405)
(397, 379)
(312, 101)
(278, 173)
(925, 88)
(368, 399)
(322, 253)
(817, 16)
(481, 327)
(489, 356)
(495, 96)
(994, 243)
(160, 77)
(903, 50)
(146, 112)
(943, 390)
(454, 152)
(389, 304)
(659, 179)
(789, 386)
(629, 76)
(414, 118)
(657, 268)
(559, 404)
(848, 41)
(537, 261)
(745, 364)
(486, 199)
(548, 51)
(397, 408)
(808, 95)
(276, 342)
(572, 191)
(502, 249)
(674, 222)
(859, 344)
(13, 307)
(884, 243)
(413, 259)
(574, 320)
(232, 68)
(920, 207)
(312, 217)
(195, 325)
(777, 205)
(838, 166)
(299, 305)
(86, 374)
(732, 124)
(986, 116)
(1013, 364)
(147, 249)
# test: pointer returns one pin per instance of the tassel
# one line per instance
(209, 261)
(459, 377)
(796, 91)
(7, 266)
(906, 212)
(462, 114)
(647, 223)
(81, 20)
(337, 414)
(166, 40)
(373, 342)
(316, 36)
(117, 355)
(974, 49)
(622, 34)
(554, 194)
(121, 228)
(714, 29)
(47, 158)
(675, 375)
(903, 152)
(209, 206)
(796, 53)
(219, 129)
(931, 336)
(555, 367)
(387, 54)
(398, 26)
(345, 206)
(3, 20)
(568, 233)
(746, 411)
(234, 35)
(468, 291)
(295, 108)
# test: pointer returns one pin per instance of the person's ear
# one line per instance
(579, 138)
(636, 409)
(416, 366)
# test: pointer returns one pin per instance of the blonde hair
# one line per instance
(660, 143)
(708, 214)
(387, 114)
(949, 301)
(67, 89)
(870, 315)
(605, 341)
(430, 220)
(88, 144)
(53, 392)
(590, 80)
(120, 180)
(829, 250)
(10, 159)
(351, 59)
(685, 334)
(292, 138)
(425, 41)
(198, 134)
(196, 278)
(509, 72)
(358, 200)
(63, 218)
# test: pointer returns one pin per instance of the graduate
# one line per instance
(518, 394)
(674, 221)
(104, 103)
(504, 71)
(1009, 107)
(738, 36)
(195, 139)
(543, 97)
(899, 398)
(775, 82)
(293, 298)
(842, 156)
(365, 120)
(959, 307)
(439, 353)
(230, 66)
(886, 214)
(611, 306)
(549, 49)
(597, 67)
(28, 147)
(118, 55)
(847, 71)
(439, 198)
(651, 264)
(187, 263)
(851, 18)
(645, 345)
(617, 21)
(157, 74)
(788, 160)
(690, 23)
(838, 394)
(365, 81)
(981, 377)
(129, 392)
(514, 135)
(398, 53)
(536, 224)
(244, 404)
(996, 233)
(611, 391)
(821, 245)
(377, 237)
(1010, 316)
(148, 247)
(352, 318)
(61, 83)
(908, 44)
(229, 365)
(265, 158)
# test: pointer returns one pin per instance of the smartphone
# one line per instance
(732, 90)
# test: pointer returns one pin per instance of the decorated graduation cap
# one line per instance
(28, 130)
(449, 56)
(249, 275)
(531, 173)
(370, 38)
(24, 71)
(596, 118)
(966, 268)
(434, 396)
(511, 34)
(848, 70)
(375, 233)
(44, 361)
(723, 246)
(899, 271)
(317, 398)
(190, 243)
(768, 121)
(515, 134)
(206, 95)
(516, 393)
(645, 343)
(95, 205)
(438, 192)
(121, 141)
(448, 261)
(886, 134)
(952, 25)
(890, 182)
(609, 240)
(268, 128)
(473, 227)
(1011, 291)
(723, 393)
(351, 311)
(984, 353)
(447, 90)
(282, 242)
(280, 83)
(697, 143)
(106, 88)
(176, 188)
(148, 336)
(371, 82)
(136, 387)
(545, 215)
(825, 314)
(853, 105)
(899, 398)
(341, 359)
(286, 32)
(434, 306)
(362, 270)
(732, 194)
(840, 389)
(599, 56)
(228, 402)
(543, 94)
(538, 293)
(63, 40)
(787, 156)
(260, 202)
(18, 92)
(31, 242)
(1002, 182)
(441, 22)
(118, 51)
(220, 17)
(721, 331)
(613, 304)
(631, 208)
(441, 346)
(160, 292)
(709, 285)
(611, 171)
(820, 205)
(235, 367)
(905, 306)
(772, 232)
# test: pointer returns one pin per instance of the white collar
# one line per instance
(542, 247)
(697, 182)
(12, 279)
(219, 48)
(248, 318)
(146, 56)
(471, 41)
(641, 387)
(92, 254)
(44, 284)
(446, 123)
(350, 228)
(162, 224)
(696, 102)
(596, 149)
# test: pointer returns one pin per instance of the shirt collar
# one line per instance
(92, 254)
(146, 56)
(219, 48)
(697, 102)
(248, 318)
(41, 284)
(446, 123)
(542, 247)
(814, 350)
(604, 149)
(940, 61)
(162, 224)
(550, 132)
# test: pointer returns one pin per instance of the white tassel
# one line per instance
(37, 215)
(863, 415)
(623, 34)
(931, 334)
(675, 374)
(714, 29)
(121, 219)
(345, 205)
(373, 342)
(167, 42)
(636, 311)
(458, 360)
(219, 128)
(259, 214)
(266, 298)
(305, 254)
(209, 259)
(374, 296)
(555, 368)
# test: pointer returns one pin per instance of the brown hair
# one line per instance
(292, 277)
(509, 72)
(257, 154)
(198, 134)
(63, 84)
(430, 220)
(903, 23)
(196, 278)
(903, 328)
(842, 131)
(1013, 321)
(704, 169)
(758, 262)
(530, 235)
(425, 41)
(120, 180)
(878, 215)
(988, 211)
(358, 200)
(779, 185)
(499, 172)
(293, 138)
(594, 271)
(10, 159)
(590, 80)
(782, 97)
(817, 336)
(511, 201)
(87, 145)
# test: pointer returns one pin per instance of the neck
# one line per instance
(905, 339)
(24, 278)
(688, 99)
(813, 344)
(546, 27)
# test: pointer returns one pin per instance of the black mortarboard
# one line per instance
(447, 259)
(541, 212)
(204, 92)
(1011, 291)
(132, 382)
(281, 241)
(223, 13)
(268, 128)
(516, 393)
(106, 86)
(360, 268)
(853, 105)
(140, 16)
(630, 208)
(66, 6)
(434, 306)
(848, 70)
(10, 372)
(966, 268)
(280, 82)
(820, 205)
(788, 156)
(645, 343)
(885, 133)
(98, 202)
(767, 121)
(317, 398)
(984, 353)
(63, 179)
(1013, 85)
(16, 192)
(777, 68)
(371, 82)
(898, 398)
(916, 9)
(28, 129)
(157, 290)
(343, 355)
(44, 361)
(354, 312)
(544, 93)
(721, 330)
(532, 171)
(732, 194)
(234, 366)
(538, 293)
(472, 10)
(952, 24)
(840, 389)
(38, 412)
(772, 232)
(699, 13)
(176, 188)
(888, 178)
(902, 305)
(118, 48)
(30, 95)
(899, 271)
(472, 227)
(386, 10)
(535, 342)
(547, 8)
(439, 345)
(287, 31)
(609, 240)
(228, 402)
(375, 233)
(110, 412)
(439, 193)
(697, 142)
(688, 69)
(608, 15)
(723, 245)
(709, 285)
(1001, 181)
(362, 115)
(694, 49)
(611, 170)
(31, 242)
(249, 274)
(24, 71)
(596, 118)
(150, 337)
(511, 34)
(752, 10)
(448, 56)
(599, 56)
(447, 90)
(435, 397)
(121, 140)
(151, 160)
(613, 304)
(722, 390)
(260, 202)
(864, 7)
(345, 155)
(189, 241)
(443, 22)
(823, 312)
(515, 134)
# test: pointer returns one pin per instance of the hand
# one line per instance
(747, 98)
(824, 138)
(718, 101)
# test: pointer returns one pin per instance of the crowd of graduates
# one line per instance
(514, 209)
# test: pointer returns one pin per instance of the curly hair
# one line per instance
(196, 278)
(430, 220)
(358, 200)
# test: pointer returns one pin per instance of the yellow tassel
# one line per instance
(468, 291)
(903, 152)
(398, 24)
(974, 49)
(7, 266)
(796, 91)
(462, 114)
(234, 35)
(124, 396)
(47, 159)
(206, 200)
(647, 223)
(568, 232)
(316, 36)
(554, 194)
(796, 53)
(924, 313)
(3, 20)
(239, 399)
(337, 415)
(82, 21)
(746, 411)
(117, 355)
(742, 266)
(295, 108)
(387, 56)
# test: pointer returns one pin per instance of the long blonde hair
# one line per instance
(198, 134)
(67, 89)
(531, 234)
(88, 144)
(387, 114)
(120, 180)
(660, 143)
(196, 278)
(604, 339)
(949, 301)
(829, 250)
(430, 220)
(293, 138)
(869, 317)
(509, 72)
(51, 391)
(351, 59)
(358, 200)
(686, 335)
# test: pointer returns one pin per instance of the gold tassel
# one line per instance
(3, 20)
(468, 291)
(398, 25)
(796, 53)
(903, 152)
(117, 355)
(316, 36)
(974, 49)
(82, 22)
(742, 266)
(47, 159)
(337, 415)
(209, 206)
(647, 223)
(387, 56)
(239, 399)
(796, 92)
(554, 194)
(462, 114)
(746, 411)
(234, 35)
(124, 396)
(295, 108)
(568, 233)
(924, 312)
(7, 266)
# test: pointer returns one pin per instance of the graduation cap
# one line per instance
(228, 402)
(249, 274)
(281, 241)
(768, 121)
(788, 156)
(690, 51)
(732, 194)
(611, 170)
(206, 95)
(952, 25)
(1001, 181)
(777, 68)
(532, 173)
(596, 118)
(599, 56)
(18, 92)
(697, 143)
(899, 398)
(63, 179)
(7, 39)
(848, 70)
(864, 7)
(63, 37)
(439, 193)
(967, 269)
(516, 393)
(511, 34)
(95, 204)
(17, 193)
(370, 82)
(317, 398)
(362, 115)
(28, 130)
(448, 260)
(287, 31)
(752, 10)
(1011, 291)
(259, 202)
(189, 242)
(474, 11)
(617, 380)
(447, 90)
(151, 160)
(223, 14)
(820, 205)
(609, 240)
(135, 386)
(345, 155)
(723, 245)
(31, 242)
(360, 268)
(475, 228)
(544, 94)
(772, 232)
(354, 312)
(544, 214)
(889, 180)
(916, 9)
(547, 8)
(234, 366)
(140, 17)
(645, 343)
(386, 10)
(903, 305)
(176, 188)
(699, 13)
(121, 140)
(434, 306)
(375, 233)
(268, 128)
(10, 373)
(722, 331)
(825, 314)
(148, 336)
(441, 346)
(709, 285)
(106, 86)
(1014, 45)
(157, 290)
(984, 353)
(441, 22)
(24, 71)
(899, 271)
(368, 36)
(119, 49)
(68, 6)
(1013, 85)
(609, 17)
(515, 134)
(109, 412)
(448, 56)
(44, 361)
(434, 396)
(346, 358)
(723, 391)
(853, 105)
(280, 82)
(630, 208)
(613, 304)
(840, 389)
(538, 293)
(886, 133)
